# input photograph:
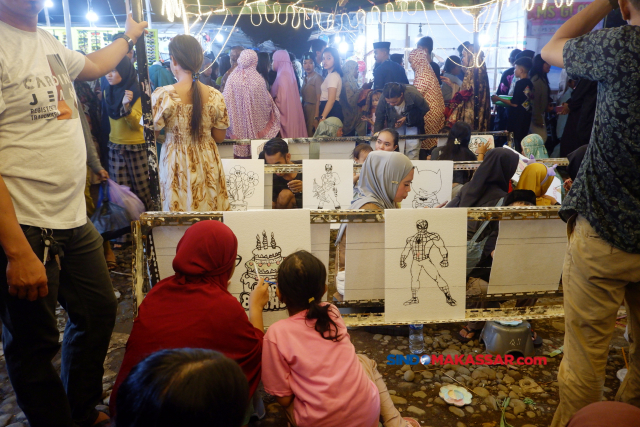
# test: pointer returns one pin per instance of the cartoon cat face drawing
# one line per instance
(430, 183)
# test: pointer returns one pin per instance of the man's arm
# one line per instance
(100, 62)
(422, 104)
(581, 23)
(26, 275)
(381, 110)
(378, 79)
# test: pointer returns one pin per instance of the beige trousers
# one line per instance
(390, 415)
(596, 278)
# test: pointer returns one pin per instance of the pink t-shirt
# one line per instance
(330, 387)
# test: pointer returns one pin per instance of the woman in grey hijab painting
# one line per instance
(384, 182)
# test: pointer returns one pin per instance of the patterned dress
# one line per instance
(465, 109)
(191, 174)
(427, 84)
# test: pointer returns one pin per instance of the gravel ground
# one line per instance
(415, 393)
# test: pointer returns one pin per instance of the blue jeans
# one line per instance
(411, 146)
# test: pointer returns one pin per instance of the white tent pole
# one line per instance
(67, 23)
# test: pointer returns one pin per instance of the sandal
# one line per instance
(469, 331)
(411, 422)
(112, 265)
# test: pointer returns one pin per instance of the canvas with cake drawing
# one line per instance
(265, 238)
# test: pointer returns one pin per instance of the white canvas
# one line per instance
(542, 242)
(335, 150)
(266, 237)
(431, 185)
(165, 241)
(320, 241)
(327, 184)
(225, 151)
(245, 183)
(480, 139)
(425, 263)
(364, 262)
(555, 190)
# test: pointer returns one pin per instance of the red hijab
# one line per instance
(194, 309)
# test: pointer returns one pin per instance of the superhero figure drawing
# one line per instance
(419, 247)
(327, 192)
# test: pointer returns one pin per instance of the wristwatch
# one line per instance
(614, 4)
(128, 40)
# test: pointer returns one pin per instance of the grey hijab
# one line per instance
(381, 174)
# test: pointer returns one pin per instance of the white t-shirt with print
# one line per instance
(42, 151)
(332, 80)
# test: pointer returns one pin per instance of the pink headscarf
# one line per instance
(287, 97)
(252, 112)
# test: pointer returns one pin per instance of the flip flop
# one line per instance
(411, 422)
(466, 339)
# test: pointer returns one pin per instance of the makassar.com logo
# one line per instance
(462, 359)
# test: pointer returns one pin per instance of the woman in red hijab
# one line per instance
(194, 309)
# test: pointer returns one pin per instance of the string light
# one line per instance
(172, 9)
(394, 11)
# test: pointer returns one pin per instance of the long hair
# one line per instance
(190, 387)
(263, 65)
(537, 69)
(301, 280)
(187, 52)
(457, 147)
(337, 67)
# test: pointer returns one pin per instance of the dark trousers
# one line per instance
(31, 338)
(336, 110)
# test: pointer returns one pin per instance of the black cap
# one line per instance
(382, 45)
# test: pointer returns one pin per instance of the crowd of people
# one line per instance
(245, 94)
(194, 357)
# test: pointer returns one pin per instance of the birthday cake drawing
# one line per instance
(267, 257)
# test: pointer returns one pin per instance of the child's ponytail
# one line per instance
(301, 281)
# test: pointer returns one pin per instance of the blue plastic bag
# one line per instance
(111, 220)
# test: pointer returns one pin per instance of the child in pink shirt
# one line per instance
(309, 363)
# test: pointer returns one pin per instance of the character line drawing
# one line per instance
(427, 195)
(327, 191)
(241, 186)
(421, 245)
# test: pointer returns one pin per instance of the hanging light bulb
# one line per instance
(92, 16)
(48, 4)
(361, 40)
(420, 32)
(337, 38)
(343, 47)
(219, 38)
